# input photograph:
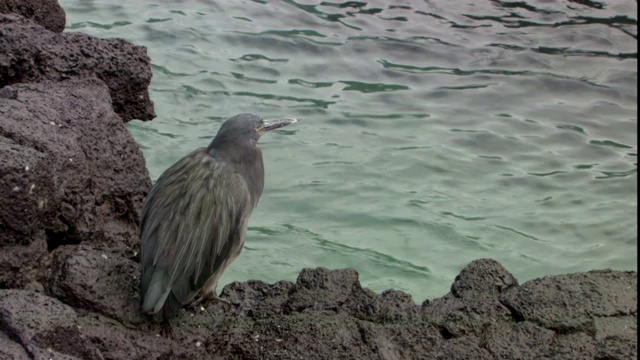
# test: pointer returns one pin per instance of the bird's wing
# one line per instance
(192, 221)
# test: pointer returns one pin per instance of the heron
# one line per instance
(194, 219)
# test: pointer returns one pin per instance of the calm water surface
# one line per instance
(431, 133)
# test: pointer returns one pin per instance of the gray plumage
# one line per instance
(195, 217)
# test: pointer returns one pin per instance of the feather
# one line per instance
(189, 229)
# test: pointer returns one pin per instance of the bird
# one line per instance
(194, 219)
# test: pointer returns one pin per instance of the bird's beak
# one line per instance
(275, 124)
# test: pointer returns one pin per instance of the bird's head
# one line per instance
(244, 130)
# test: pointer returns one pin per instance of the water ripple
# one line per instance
(460, 72)
(610, 143)
(255, 57)
(616, 174)
(91, 24)
(371, 87)
(378, 257)
(567, 51)
(518, 232)
(419, 122)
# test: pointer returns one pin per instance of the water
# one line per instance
(431, 133)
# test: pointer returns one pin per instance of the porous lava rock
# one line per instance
(31, 53)
(70, 172)
(47, 13)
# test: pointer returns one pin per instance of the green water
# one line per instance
(431, 133)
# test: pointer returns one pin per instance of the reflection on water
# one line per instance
(432, 133)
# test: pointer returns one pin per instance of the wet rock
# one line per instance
(70, 172)
(32, 53)
(47, 13)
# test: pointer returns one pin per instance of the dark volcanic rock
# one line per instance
(70, 172)
(111, 340)
(601, 303)
(319, 292)
(462, 348)
(37, 326)
(482, 279)
(473, 303)
(573, 346)
(97, 280)
(258, 298)
(39, 322)
(571, 302)
(47, 13)
(10, 349)
(617, 337)
(32, 53)
(322, 289)
(96, 283)
(19, 262)
(522, 340)
(291, 337)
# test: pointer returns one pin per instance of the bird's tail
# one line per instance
(169, 310)
(158, 299)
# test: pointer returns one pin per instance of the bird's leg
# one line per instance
(213, 296)
(210, 296)
(196, 302)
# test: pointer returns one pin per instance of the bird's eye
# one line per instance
(257, 128)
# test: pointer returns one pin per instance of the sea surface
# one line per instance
(430, 133)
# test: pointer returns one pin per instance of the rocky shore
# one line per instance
(72, 182)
